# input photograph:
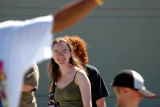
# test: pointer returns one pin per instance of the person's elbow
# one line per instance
(101, 102)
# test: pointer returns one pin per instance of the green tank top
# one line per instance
(69, 96)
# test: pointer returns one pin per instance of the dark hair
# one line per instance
(54, 67)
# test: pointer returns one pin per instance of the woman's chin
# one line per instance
(61, 63)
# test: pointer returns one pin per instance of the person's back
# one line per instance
(98, 88)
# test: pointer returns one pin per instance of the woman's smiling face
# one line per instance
(61, 53)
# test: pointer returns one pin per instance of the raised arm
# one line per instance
(85, 88)
(72, 13)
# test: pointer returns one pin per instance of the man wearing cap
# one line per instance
(129, 88)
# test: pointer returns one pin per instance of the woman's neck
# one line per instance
(66, 69)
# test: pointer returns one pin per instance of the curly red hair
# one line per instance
(79, 48)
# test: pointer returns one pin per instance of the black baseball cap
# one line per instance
(132, 79)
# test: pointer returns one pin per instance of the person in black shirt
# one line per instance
(98, 87)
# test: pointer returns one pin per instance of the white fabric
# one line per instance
(21, 44)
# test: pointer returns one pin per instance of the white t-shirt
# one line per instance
(22, 43)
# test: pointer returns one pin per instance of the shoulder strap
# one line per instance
(75, 74)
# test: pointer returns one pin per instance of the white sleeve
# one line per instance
(23, 43)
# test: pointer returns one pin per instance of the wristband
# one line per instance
(99, 2)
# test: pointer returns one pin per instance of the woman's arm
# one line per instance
(72, 13)
(85, 88)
